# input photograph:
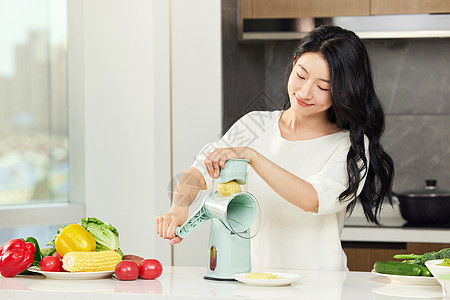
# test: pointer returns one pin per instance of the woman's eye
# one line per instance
(303, 78)
(322, 89)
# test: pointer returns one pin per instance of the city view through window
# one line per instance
(33, 102)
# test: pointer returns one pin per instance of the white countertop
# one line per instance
(188, 283)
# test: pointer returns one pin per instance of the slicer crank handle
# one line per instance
(177, 231)
(196, 219)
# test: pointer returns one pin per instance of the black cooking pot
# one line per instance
(429, 205)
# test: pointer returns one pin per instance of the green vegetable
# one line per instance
(445, 263)
(52, 249)
(396, 268)
(407, 256)
(48, 251)
(106, 236)
(421, 259)
(424, 270)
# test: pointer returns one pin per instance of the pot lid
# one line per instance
(431, 189)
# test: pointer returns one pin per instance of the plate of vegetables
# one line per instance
(410, 268)
(86, 250)
(417, 279)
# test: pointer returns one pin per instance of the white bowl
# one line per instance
(438, 271)
(441, 273)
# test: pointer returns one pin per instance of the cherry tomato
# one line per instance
(50, 264)
(60, 258)
(150, 269)
(127, 270)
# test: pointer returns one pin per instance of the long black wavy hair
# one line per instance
(356, 108)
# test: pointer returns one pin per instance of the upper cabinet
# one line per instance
(279, 9)
(255, 9)
(383, 7)
(291, 19)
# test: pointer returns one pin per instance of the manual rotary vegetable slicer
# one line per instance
(231, 217)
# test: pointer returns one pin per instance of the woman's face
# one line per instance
(309, 85)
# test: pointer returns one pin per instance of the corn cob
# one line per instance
(91, 261)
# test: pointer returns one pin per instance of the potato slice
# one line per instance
(226, 189)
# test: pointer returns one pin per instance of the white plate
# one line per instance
(74, 275)
(409, 279)
(421, 291)
(287, 279)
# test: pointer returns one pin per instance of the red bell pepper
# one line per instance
(15, 257)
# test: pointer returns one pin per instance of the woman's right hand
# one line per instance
(167, 223)
(186, 190)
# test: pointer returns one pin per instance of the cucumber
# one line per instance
(424, 271)
(396, 268)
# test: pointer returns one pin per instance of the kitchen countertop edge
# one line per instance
(398, 235)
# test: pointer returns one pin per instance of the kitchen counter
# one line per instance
(188, 283)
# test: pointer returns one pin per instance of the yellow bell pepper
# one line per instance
(74, 238)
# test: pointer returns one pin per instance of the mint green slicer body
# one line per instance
(231, 218)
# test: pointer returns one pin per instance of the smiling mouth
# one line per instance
(301, 103)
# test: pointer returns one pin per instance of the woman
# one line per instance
(310, 163)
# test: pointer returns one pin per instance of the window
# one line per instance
(34, 163)
(34, 143)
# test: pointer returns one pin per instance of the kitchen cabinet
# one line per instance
(254, 9)
(299, 16)
(283, 9)
(382, 7)
(362, 255)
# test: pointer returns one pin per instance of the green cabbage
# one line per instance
(106, 236)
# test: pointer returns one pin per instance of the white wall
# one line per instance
(119, 91)
(120, 81)
(197, 100)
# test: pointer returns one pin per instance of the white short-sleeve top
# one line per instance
(290, 238)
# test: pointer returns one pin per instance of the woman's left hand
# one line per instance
(216, 159)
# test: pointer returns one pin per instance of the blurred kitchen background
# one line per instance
(412, 78)
(104, 102)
